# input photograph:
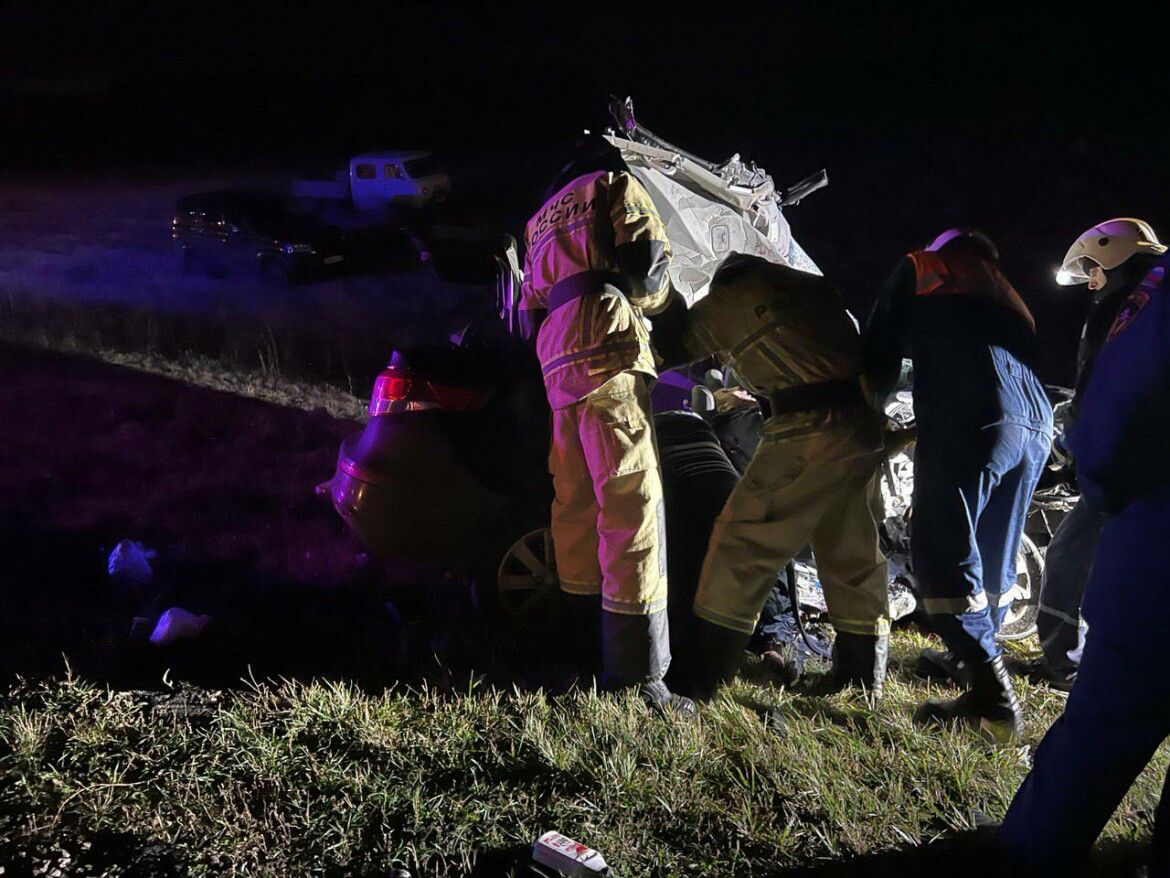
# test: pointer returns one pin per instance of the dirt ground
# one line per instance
(222, 487)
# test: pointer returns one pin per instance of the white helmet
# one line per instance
(1106, 246)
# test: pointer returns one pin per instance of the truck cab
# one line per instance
(377, 179)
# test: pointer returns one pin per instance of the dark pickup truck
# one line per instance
(267, 234)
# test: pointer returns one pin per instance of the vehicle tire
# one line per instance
(1020, 621)
(516, 578)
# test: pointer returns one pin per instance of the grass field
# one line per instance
(457, 774)
(295, 778)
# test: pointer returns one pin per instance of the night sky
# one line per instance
(1032, 124)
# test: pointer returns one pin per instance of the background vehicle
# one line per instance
(268, 234)
(377, 181)
(450, 473)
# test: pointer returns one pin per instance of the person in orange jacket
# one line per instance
(984, 432)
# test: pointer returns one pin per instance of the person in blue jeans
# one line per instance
(984, 433)
(1118, 711)
(1068, 561)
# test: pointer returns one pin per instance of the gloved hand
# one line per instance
(898, 440)
(530, 320)
(667, 328)
(1062, 456)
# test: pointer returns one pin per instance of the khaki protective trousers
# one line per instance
(608, 521)
(807, 484)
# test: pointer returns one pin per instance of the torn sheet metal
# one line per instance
(710, 210)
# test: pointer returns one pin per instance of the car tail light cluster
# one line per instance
(401, 390)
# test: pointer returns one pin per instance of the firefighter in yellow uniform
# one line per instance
(814, 478)
(596, 259)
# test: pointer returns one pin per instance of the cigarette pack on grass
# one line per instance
(568, 857)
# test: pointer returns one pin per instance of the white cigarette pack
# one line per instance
(568, 857)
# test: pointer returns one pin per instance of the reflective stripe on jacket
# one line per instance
(602, 237)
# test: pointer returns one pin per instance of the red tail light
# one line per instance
(399, 390)
(392, 388)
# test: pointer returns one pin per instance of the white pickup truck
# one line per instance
(375, 181)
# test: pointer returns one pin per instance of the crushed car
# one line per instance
(450, 470)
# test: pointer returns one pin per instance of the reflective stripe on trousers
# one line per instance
(1067, 565)
(803, 486)
(971, 496)
(608, 520)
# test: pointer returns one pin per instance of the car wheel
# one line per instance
(1020, 620)
(518, 578)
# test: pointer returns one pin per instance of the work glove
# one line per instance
(667, 328)
(529, 321)
(897, 440)
(1062, 456)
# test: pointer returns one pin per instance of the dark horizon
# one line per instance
(1030, 125)
(169, 82)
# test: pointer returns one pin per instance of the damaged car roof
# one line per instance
(710, 210)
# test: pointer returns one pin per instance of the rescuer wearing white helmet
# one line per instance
(1111, 258)
(1104, 247)
(1118, 713)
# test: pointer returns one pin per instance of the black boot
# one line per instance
(990, 705)
(943, 666)
(662, 701)
(581, 624)
(636, 653)
(715, 657)
(1038, 670)
(858, 660)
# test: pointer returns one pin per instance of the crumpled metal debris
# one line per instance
(778, 630)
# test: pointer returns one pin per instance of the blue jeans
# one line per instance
(1119, 709)
(1067, 565)
(971, 496)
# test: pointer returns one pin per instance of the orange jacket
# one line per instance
(962, 273)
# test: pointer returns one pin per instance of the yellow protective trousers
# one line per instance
(808, 483)
(608, 521)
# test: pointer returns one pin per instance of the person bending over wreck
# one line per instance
(814, 477)
(596, 260)
(984, 432)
